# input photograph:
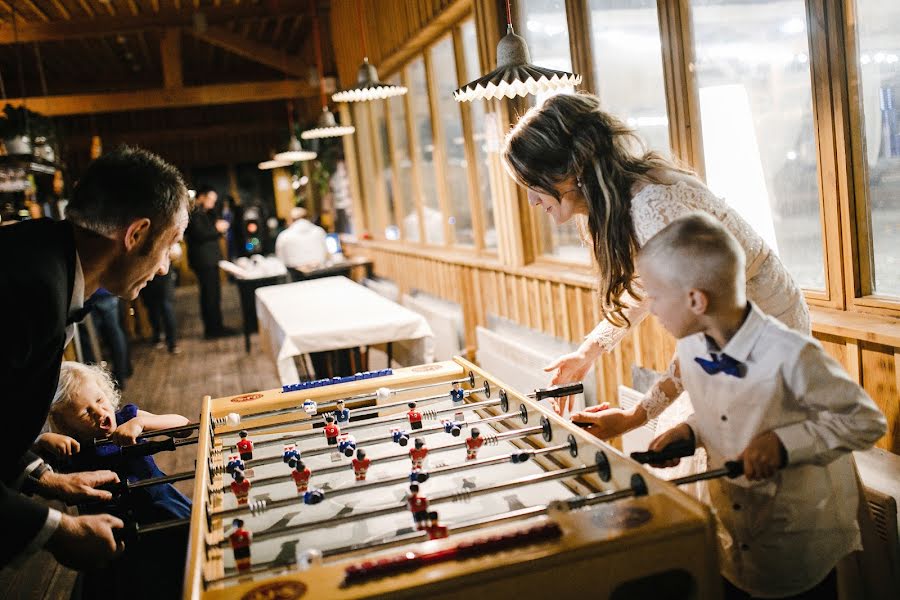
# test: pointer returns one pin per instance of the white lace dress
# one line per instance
(769, 286)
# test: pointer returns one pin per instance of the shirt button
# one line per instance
(724, 418)
(736, 506)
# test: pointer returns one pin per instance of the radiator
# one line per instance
(445, 319)
(517, 356)
(383, 287)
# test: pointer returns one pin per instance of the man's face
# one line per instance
(671, 303)
(137, 265)
(208, 200)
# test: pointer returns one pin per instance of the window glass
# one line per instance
(409, 229)
(878, 37)
(759, 147)
(384, 157)
(424, 143)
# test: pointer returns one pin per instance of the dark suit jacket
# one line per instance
(37, 274)
(202, 239)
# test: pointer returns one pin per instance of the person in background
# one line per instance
(202, 237)
(302, 243)
(107, 318)
(159, 298)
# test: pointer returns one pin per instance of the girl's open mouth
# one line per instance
(106, 423)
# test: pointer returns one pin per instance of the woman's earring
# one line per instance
(578, 181)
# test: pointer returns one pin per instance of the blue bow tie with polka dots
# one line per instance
(722, 364)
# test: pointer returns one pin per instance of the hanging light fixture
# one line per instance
(367, 86)
(295, 151)
(268, 165)
(327, 125)
(514, 75)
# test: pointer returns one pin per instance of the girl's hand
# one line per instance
(127, 433)
(569, 368)
(57, 444)
(606, 422)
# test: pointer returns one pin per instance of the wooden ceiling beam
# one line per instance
(170, 52)
(235, 43)
(175, 134)
(104, 26)
(205, 95)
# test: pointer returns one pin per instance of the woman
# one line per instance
(578, 161)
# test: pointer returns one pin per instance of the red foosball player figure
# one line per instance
(473, 444)
(300, 475)
(240, 540)
(361, 465)
(332, 431)
(241, 487)
(417, 455)
(414, 416)
(418, 506)
(245, 446)
(435, 530)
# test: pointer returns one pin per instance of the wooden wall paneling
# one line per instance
(550, 314)
(834, 346)
(358, 217)
(880, 381)
(381, 203)
(413, 141)
(502, 295)
(853, 362)
(439, 153)
(828, 163)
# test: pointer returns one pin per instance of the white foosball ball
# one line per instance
(434, 481)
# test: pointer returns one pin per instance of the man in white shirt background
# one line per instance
(302, 243)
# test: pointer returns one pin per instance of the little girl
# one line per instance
(85, 407)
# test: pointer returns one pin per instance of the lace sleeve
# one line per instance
(607, 336)
(657, 206)
(664, 392)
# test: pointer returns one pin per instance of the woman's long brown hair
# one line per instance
(570, 136)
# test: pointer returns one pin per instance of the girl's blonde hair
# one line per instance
(72, 375)
(570, 136)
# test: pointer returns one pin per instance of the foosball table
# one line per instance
(438, 481)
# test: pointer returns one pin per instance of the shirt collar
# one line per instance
(77, 300)
(744, 339)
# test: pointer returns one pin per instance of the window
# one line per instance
(367, 166)
(878, 40)
(405, 174)
(486, 135)
(443, 65)
(628, 71)
(424, 147)
(759, 146)
(383, 161)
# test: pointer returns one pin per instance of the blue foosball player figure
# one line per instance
(418, 476)
(453, 428)
(457, 393)
(520, 457)
(400, 437)
(234, 463)
(341, 414)
(347, 445)
(313, 496)
(290, 454)
(310, 407)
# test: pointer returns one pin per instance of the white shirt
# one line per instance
(781, 536)
(303, 243)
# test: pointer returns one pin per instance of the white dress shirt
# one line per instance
(781, 536)
(303, 243)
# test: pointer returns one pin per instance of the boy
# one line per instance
(767, 396)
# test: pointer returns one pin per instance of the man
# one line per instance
(204, 254)
(303, 243)
(128, 209)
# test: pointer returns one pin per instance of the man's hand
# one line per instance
(57, 444)
(222, 225)
(127, 433)
(85, 542)
(763, 456)
(76, 487)
(676, 434)
(606, 422)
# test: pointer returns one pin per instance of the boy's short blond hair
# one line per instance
(696, 251)
(72, 376)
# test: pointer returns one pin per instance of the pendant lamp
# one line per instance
(295, 151)
(327, 125)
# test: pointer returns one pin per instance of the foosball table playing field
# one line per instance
(433, 481)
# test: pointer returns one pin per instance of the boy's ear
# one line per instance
(136, 233)
(698, 301)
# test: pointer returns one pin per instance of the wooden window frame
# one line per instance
(413, 144)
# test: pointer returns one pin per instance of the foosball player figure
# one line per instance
(454, 428)
(234, 463)
(341, 414)
(418, 476)
(332, 431)
(414, 416)
(435, 530)
(245, 446)
(300, 475)
(240, 486)
(417, 455)
(473, 443)
(400, 437)
(418, 506)
(457, 394)
(240, 540)
(310, 407)
(290, 453)
(347, 445)
(361, 465)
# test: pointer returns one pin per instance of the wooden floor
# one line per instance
(164, 383)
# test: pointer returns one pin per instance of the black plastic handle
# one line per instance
(148, 448)
(677, 449)
(735, 468)
(558, 391)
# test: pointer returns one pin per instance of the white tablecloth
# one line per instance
(331, 314)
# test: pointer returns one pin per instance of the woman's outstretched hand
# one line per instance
(570, 368)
